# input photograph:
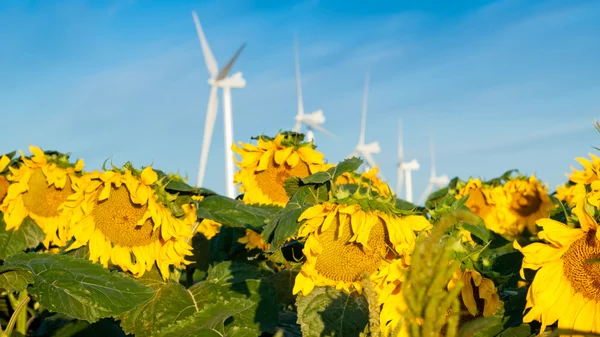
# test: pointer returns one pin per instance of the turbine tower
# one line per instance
(366, 150)
(219, 79)
(434, 180)
(313, 120)
(404, 169)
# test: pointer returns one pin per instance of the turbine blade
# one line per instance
(211, 116)
(297, 126)
(209, 58)
(320, 129)
(426, 193)
(369, 158)
(363, 121)
(298, 79)
(225, 71)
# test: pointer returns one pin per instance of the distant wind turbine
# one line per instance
(313, 120)
(434, 180)
(366, 150)
(404, 169)
(219, 79)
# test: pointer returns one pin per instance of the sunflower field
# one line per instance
(308, 248)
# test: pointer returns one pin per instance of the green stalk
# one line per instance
(19, 316)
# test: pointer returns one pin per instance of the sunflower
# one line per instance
(253, 240)
(565, 287)
(479, 295)
(575, 190)
(529, 201)
(38, 188)
(570, 193)
(508, 208)
(343, 241)
(123, 216)
(365, 179)
(265, 167)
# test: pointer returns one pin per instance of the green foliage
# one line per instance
(329, 312)
(15, 280)
(425, 288)
(29, 235)
(78, 288)
(230, 212)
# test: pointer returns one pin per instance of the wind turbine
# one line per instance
(434, 180)
(404, 169)
(366, 150)
(313, 120)
(218, 79)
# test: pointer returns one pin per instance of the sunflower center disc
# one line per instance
(117, 218)
(270, 181)
(345, 261)
(526, 204)
(583, 274)
(42, 199)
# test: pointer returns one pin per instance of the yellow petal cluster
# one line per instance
(510, 208)
(344, 241)
(264, 168)
(565, 287)
(120, 218)
(476, 289)
(575, 190)
(253, 240)
(38, 188)
(368, 179)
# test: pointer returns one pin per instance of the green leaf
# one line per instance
(230, 212)
(15, 280)
(291, 185)
(347, 165)
(79, 288)
(236, 279)
(328, 312)
(176, 186)
(284, 226)
(29, 235)
(170, 303)
(63, 326)
(481, 327)
(523, 330)
(478, 230)
(317, 178)
(210, 320)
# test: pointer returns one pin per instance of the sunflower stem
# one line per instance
(19, 316)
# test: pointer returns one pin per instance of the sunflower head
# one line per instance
(126, 217)
(528, 201)
(344, 238)
(565, 287)
(265, 167)
(39, 185)
(365, 180)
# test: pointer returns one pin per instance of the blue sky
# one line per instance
(501, 85)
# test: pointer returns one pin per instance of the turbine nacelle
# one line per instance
(412, 165)
(315, 117)
(234, 81)
(372, 147)
(440, 181)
